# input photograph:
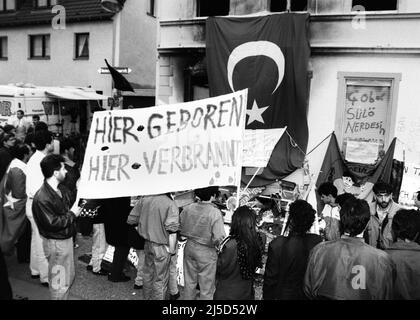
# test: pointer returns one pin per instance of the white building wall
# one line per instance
(138, 43)
(324, 91)
(62, 69)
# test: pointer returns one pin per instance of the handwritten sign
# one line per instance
(366, 110)
(362, 152)
(167, 148)
(410, 183)
(258, 146)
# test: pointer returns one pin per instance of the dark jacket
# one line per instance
(70, 181)
(5, 159)
(286, 265)
(406, 257)
(52, 213)
(230, 285)
(349, 269)
(115, 212)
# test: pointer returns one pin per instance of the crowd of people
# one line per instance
(366, 250)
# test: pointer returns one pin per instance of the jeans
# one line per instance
(38, 261)
(173, 282)
(99, 246)
(118, 261)
(60, 266)
(200, 264)
(155, 271)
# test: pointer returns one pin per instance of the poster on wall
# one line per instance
(365, 114)
(166, 148)
(362, 151)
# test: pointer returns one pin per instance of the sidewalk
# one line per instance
(24, 289)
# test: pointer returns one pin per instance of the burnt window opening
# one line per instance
(383, 5)
(7, 5)
(206, 8)
(295, 5)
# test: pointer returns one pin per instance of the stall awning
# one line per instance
(75, 94)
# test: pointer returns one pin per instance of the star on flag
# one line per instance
(10, 201)
(255, 114)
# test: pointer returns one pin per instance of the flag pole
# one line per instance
(256, 171)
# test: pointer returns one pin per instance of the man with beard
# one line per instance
(378, 232)
(56, 225)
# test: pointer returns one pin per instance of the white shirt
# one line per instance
(331, 212)
(34, 176)
(20, 123)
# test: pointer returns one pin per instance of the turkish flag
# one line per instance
(269, 55)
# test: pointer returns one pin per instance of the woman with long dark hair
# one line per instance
(240, 255)
(288, 256)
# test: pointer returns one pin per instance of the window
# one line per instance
(7, 5)
(45, 3)
(206, 8)
(295, 5)
(151, 8)
(366, 110)
(3, 48)
(39, 46)
(82, 45)
(383, 5)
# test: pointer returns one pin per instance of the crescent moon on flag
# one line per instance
(256, 48)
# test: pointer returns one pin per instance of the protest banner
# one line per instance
(258, 146)
(410, 184)
(165, 148)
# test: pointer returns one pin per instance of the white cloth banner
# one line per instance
(258, 146)
(362, 151)
(410, 184)
(165, 148)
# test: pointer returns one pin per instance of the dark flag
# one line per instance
(269, 55)
(335, 167)
(120, 82)
(12, 208)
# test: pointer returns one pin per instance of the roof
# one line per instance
(66, 93)
(76, 11)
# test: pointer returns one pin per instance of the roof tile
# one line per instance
(76, 10)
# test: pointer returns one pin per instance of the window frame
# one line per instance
(1, 48)
(31, 49)
(49, 4)
(151, 10)
(198, 8)
(76, 45)
(376, 11)
(343, 77)
(287, 4)
(5, 10)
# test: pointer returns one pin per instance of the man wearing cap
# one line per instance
(378, 232)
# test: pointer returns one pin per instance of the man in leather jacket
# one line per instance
(56, 224)
(349, 268)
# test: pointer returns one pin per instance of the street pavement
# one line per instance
(86, 286)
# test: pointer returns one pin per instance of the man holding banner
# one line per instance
(157, 218)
